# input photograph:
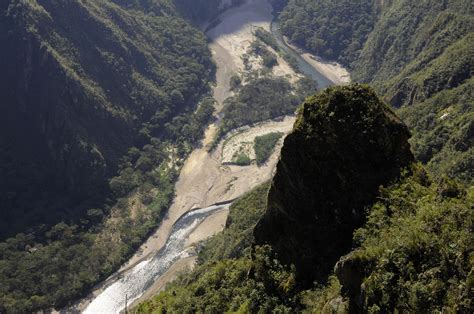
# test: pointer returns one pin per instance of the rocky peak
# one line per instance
(346, 143)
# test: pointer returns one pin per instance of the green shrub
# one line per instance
(242, 159)
(265, 145)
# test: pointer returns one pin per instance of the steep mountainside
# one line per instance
(202, 10)
(419, 56)
(81, 82)
(345, 139)
(101, 102)
(413, 252)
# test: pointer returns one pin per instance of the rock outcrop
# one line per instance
(346, 143)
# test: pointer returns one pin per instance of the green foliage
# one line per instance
(122, 106)
(419, 247)
(113, 77)
(443, 132)
(332, 29)
(241, 159)
(267, 38)
(425, 66)
(265, 145)
(419, 56)
(227, 279)
(268, 58)
(260, 99)
(414, 253)
(202, 10)
(222, 286)
(235, 82)
(263, 98)
(237, 237)
(198, 10)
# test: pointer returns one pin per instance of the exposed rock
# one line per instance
(350, 273)
(346, 144)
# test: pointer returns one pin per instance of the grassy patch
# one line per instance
(265, 145)
(241, 159)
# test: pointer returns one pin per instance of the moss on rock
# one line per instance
(345, 145)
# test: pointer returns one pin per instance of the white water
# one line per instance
(137, 280)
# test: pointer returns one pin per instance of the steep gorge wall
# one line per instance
(80, 80)
(419, 56)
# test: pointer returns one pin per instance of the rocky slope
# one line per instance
(346, 143)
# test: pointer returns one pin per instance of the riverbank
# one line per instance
(334, 71)
(203, 179)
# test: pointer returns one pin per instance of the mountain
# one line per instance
(80, 81)
(418, 56)
(100, 102)
(345, 144)
(348, 208)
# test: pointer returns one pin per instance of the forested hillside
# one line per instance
(101, 101)
(418, 55)
(200, 11)
(412, 246)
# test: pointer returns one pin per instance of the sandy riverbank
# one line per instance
(243, 138)
(235, 34)
(203, 180)
(334, 71)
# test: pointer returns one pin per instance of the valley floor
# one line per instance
(204, 180)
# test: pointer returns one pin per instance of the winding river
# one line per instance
(129, 285)
(303, 65)
(136, 281)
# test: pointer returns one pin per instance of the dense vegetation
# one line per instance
(265, 145)
(104, 99)
(221, 281)
(418, 55)
(241, 159)
(341, 135)
(102, 102)
(263, 98)
(414, 253)
(265, 37)
(336, 30)
(200, 11)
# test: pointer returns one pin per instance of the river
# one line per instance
(136, 281)
(203, 180)
(303, 65)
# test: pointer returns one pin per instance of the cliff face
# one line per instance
(79, 81)
(346, 143)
